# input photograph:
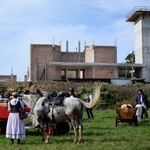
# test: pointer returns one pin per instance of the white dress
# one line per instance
(15, 128)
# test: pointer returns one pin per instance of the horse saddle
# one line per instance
(56, 100)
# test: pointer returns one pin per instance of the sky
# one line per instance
(98, 22)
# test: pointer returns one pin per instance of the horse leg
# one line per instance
(75, 134)
(45, 135)
(48, 131)
(144, 114)
(80, 126)
(80, 133)
(41, 126)
(75, 130)
(139, 112)
(47, 139)
(42, 133)
(76, 120)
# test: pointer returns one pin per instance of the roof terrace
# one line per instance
(137, 11)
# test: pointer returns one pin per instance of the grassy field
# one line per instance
(99, 133)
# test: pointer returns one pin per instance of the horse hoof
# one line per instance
(75, 142)
(79, 142)
(43, 140)
(46, 142)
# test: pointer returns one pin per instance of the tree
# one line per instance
(130, 58)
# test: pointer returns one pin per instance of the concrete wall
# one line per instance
(142, 44)
(138, 42)
(89, 54)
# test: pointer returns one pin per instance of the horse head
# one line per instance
(29, 99)
(34, 102)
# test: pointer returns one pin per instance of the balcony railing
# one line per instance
(138, 8)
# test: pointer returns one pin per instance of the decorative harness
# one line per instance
(35, 104)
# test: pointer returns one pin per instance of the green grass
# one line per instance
(99, 133)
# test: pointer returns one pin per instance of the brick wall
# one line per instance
(6, 78)
(105, 54)
(41, 55)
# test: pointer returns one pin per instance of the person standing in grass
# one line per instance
(71, 92)
(15, 128)
(88, 97)
(141, 99)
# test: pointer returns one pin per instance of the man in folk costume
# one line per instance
(141, 99)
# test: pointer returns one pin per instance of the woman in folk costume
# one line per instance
(15, 128)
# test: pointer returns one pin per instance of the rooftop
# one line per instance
(139, 10)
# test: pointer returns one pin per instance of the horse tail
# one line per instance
(95, 99)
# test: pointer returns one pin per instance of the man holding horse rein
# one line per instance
(141, 99)
(71, 92)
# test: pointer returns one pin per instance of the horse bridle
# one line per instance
(35, 103)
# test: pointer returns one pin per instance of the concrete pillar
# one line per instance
(66, 73)
(78, 73)
(36, 72)
(45, 72)
(93, 72)
(79, 51)
(54, 72)
(85, 73)
(126, 71)
(11, 74)
(67, 56)
(116, 72)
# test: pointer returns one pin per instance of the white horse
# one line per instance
(140, 112)
(72, 109)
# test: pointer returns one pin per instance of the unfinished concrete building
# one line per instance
(49, 63)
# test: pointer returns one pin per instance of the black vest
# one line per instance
(15, 108)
